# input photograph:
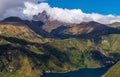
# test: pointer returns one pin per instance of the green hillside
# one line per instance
(114, 71)
(24, 53)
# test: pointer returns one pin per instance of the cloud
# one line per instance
(28, 9)
(68, 15)
(12, 6)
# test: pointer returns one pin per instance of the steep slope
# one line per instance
(66, 30)
(85, 27)
(84, 30)
(18, 57)
(57, 56)
(34, 25)
(114, 71)
(25, 53)
(49, 25)
(18, 30)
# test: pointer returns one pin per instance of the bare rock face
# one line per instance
(41, 17)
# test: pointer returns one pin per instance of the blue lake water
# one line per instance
(87, 72)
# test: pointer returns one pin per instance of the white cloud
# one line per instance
(28, 9)
(68, 15)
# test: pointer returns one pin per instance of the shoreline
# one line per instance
(70, 71)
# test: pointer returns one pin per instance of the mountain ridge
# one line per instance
(47, 28)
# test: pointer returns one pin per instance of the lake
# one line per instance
(86, 72)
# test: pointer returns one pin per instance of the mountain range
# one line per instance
(29, 48)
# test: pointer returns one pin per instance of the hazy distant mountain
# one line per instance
(115, 25)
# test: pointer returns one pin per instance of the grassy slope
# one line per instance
(60, 55)
(113, 71)
(111, 46)
(24, 71)
(19, 30)
(30, 58)
(78, 50)
(14, 38)
(73, 54)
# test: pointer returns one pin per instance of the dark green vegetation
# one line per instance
(27, 50)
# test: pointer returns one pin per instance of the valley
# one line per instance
(30, 48)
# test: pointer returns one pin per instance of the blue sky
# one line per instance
(102, 11)
(89, 6)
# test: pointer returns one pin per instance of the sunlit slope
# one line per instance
(18, 30)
